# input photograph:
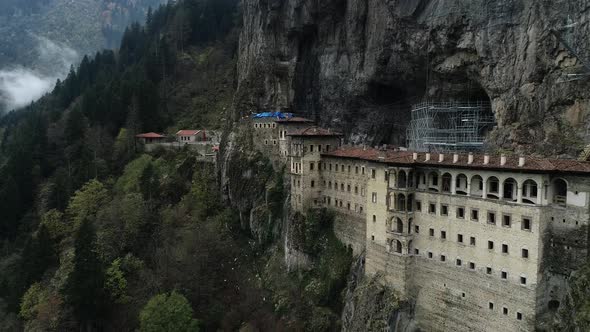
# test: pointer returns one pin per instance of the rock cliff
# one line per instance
(360, 64)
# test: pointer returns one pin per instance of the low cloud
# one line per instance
(19, 86)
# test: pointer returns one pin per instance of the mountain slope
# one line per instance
(40, 39)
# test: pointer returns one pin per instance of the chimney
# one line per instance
(502, 160)
(441, 158)
(415, 156)
(455, 158)
(470, 158)
(427, 157)
(521, 161)
(486, 159)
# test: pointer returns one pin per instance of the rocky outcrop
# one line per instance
(371, 306)
(360, 64)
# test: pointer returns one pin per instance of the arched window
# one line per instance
(560, 192)
(476, 186)
(447, 180)
(509, 189)
(410, 203)
(398, 246)
(433, 182)
(493, 188)
(401, 179)
(461, 184)
(530, 192)
(399, 226)
(401, 202)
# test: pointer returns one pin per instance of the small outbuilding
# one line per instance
(196, 136)
(151, 138)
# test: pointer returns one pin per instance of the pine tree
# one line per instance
(85, 287)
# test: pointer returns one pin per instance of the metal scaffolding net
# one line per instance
(449, 126)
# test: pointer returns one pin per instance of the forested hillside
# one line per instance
(83, 25)
(96, 235)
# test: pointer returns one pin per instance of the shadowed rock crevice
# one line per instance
(350, 64)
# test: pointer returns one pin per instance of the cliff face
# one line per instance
(360, 64)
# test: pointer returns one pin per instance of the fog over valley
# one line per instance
(19, 86)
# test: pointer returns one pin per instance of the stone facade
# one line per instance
(471, 245)
(470, 241)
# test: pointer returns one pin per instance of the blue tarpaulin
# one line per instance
(276, 115)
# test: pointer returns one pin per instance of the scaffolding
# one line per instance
(449, 126)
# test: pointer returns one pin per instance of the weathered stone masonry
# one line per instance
(475, 242)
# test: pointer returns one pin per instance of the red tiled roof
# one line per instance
(295, 119)
(314, 131)
(150, 135)
(187, 132)
(532, 164)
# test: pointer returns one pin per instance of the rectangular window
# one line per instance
(474, 215)
(472, 241)
(460, 238)
(492, 218)
(443, 258)
(518, 316)
(312, 183)
(526, 223)
(490, 245)
(311, 148)
(491, 305)
(504, 275)
(374, 197)
(443, 235)
(488, 270)
(311, 166)
(373, 173)
(356, 170)
(493, 186)
(342, 187)
(417, 229)
(363, 170)
(460, 213)
(504, 248)
(444, 210)
(327, 147)
(416, 251)
(431, 232)
(459, 262)
(525, 253)
(471, 265)
(523, 280)
(348, 168)
(356, 190)
(418, 206)
(348, 206)
(429, 254)
(506, 220)
(385, 176)
(342, 168)
(432, 208)
(505, 311)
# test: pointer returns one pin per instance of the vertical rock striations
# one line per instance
(359, 64)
